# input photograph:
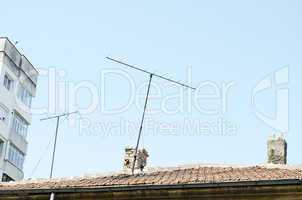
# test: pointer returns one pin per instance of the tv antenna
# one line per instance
(55, 142)
(151, 75)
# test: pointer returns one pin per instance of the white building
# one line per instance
(18, 79)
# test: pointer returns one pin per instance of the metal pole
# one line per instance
(52, 195)
(56, 136)
(54, 148)
(142, 122)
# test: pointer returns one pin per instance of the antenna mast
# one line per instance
(151, 75)
(56, 135)
(52, 195)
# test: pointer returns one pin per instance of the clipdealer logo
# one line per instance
(277, 82)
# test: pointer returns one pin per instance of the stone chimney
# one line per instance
(141, 159)
(277, 150)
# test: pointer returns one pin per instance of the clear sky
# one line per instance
(229, 46)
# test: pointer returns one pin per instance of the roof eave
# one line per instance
(124, 188)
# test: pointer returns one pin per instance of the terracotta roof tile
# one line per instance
(200, 174)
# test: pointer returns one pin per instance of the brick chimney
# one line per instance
(141, 159)
(277, 150)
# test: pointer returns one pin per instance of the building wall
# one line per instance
(16, 67)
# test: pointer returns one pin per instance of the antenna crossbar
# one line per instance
(61, 115)
(145, 71)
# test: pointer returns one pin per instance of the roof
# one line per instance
(173, 176)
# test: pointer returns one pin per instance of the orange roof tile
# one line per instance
(177, 176)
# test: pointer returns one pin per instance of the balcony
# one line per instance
(13, 171)
(18, 140)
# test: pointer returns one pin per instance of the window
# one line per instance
(25, 96)
(6, 178)
(20, 126)
(16, 157)
(8, 82)
(3, 115)
(1, 146)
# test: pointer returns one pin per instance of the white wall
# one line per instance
(9, 65)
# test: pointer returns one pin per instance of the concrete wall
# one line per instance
(17, 67)
(8, 99)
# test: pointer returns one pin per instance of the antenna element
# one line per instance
(151, 75)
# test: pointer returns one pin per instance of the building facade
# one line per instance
(18, 81)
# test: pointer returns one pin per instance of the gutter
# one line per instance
(154, 187)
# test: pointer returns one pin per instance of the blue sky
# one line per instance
(222, 41)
